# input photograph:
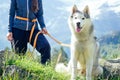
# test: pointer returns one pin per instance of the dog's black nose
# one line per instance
(78, 23)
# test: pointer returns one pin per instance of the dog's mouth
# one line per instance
(78, 29)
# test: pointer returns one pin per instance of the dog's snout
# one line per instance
(78, 23)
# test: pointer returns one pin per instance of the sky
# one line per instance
(105, 15)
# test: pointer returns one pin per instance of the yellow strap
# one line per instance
(32, 30)
(34, 20)
(60, 43)
(31, 33)
(33, 27)
(22, 18)
(25, 19)
(35, 40)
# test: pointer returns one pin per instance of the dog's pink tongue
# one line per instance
(78, 29)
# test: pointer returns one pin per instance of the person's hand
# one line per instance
(44, 31)
(10, 36)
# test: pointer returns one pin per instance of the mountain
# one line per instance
(111, 38)
(104, 14)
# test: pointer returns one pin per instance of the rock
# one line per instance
(114, 61)
(14, 71)
(4, 56)
(111, 69)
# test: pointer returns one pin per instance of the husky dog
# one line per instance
(84, 47)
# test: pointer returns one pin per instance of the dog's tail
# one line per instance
(61, 68)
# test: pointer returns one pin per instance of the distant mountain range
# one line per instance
(56, 12)
(111, 38)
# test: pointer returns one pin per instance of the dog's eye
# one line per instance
(75, 17)
(83, 18)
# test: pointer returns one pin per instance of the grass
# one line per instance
(110, 51)
(35, 70)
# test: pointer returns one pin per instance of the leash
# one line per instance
(60, 43)
(40, 32)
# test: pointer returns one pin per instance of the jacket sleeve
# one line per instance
(11, 15)
(39, 14)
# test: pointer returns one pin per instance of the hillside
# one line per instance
(111, 38)
(14, 67)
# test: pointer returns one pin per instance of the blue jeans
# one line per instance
(21, 38)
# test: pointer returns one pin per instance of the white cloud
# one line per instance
(116, 9)
(114, 5)
(94, 5)
(68, 1)
(113, 2)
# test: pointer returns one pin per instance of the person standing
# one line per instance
(24, 16)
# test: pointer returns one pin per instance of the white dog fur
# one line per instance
(84, 47)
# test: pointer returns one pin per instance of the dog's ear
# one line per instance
(74, 9)
(86, 11)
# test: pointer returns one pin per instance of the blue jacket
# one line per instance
(22, 8)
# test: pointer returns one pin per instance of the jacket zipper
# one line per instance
(27, 15)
